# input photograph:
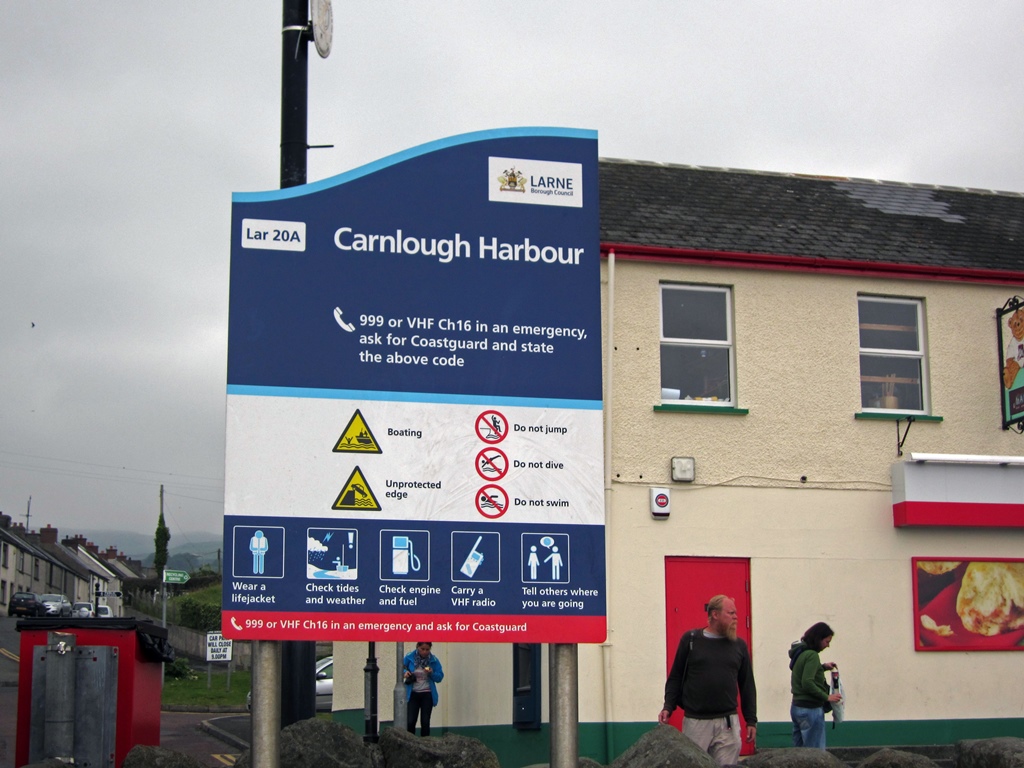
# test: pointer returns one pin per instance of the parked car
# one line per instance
(83, 611)
(324, 686)
(26, 604)
(56, 605)
(104, 612)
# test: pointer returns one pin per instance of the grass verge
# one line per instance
(196, 693)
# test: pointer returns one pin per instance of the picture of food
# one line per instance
(968, 605)
(937, 566)
(991, 598)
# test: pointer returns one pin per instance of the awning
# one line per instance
(958, 491)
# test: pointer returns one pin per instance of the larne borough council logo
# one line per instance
(538, 182)
(512, 180)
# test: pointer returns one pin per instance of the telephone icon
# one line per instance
(341, 321)
(235, 624)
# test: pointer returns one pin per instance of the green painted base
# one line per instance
(516, 749)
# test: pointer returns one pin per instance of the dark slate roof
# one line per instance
(709, 209)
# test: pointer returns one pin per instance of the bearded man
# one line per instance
(710, 667)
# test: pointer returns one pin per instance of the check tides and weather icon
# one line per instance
(332, 553)
(357, 495)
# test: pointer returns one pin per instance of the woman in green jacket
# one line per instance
(810, 692)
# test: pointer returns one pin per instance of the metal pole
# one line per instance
(370, 694)
(563, 704)
(59, 728)
(163, 619)
(266, 710)
(400, 704)
(295, 36)
(298, 658)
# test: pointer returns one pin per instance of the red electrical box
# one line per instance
(90, 686)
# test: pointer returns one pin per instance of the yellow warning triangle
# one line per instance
(357, 437)
(357, 494)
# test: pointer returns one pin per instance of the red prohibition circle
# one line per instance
(495, 458)
(491, 427)
(661, 500)
(493, 509)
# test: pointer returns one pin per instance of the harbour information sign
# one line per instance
(414, 412)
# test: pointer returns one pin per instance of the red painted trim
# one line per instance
(779, 262)
(453, 628)
(957, 514)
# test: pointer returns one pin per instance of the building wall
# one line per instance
(820, 549)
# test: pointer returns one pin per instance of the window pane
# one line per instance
(693, 372)
(890, 382)
(888, 325)
(691, 314)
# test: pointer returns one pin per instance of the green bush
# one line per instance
(200, 616)
(180, 669)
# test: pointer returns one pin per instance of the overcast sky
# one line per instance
(125, 128)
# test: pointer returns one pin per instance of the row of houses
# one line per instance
(41, 562)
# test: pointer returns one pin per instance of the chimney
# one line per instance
(93, 549)
(110, 554)
(48, 535)
(5, 520)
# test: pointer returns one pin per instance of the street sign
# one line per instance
(414, 399)
(175, 577)
(218, 647)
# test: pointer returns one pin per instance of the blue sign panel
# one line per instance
(414, 436)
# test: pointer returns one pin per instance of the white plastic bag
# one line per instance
(835, 685)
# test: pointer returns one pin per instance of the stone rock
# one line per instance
(1002, 752)
(894, 758)
(145, 756)
(402, 749)
(664, 747)
(793, 757)
(318, 742)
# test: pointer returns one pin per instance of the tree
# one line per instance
(160, 541)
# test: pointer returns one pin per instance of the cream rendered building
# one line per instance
(778, 331)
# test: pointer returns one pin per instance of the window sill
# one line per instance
(895, 416)
(716, 409)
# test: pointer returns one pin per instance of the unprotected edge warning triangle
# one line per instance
(357, 494)
(357, 437)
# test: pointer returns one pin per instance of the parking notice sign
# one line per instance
(218, 648)
(414, 407)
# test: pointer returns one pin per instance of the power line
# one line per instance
(109, 466)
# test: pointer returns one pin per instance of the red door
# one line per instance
(689, 583)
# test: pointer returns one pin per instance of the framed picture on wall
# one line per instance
(968, 604)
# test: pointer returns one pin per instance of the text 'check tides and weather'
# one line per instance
(414, 430)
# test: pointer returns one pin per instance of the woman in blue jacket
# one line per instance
(422, 674)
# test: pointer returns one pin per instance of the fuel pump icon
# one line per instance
(403, 559)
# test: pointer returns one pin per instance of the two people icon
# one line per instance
(533, 563)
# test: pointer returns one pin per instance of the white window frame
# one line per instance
(728, 344)
(920, 355)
